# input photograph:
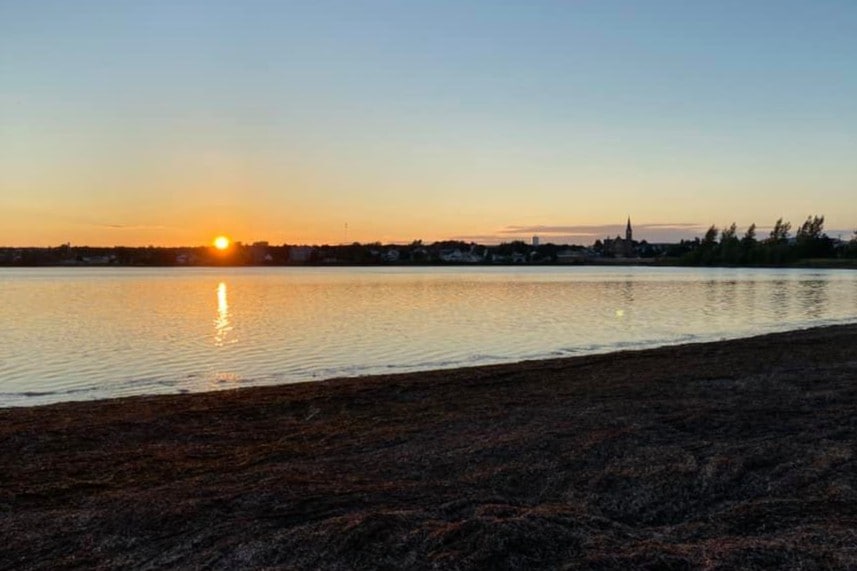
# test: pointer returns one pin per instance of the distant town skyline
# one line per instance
(559, 235)
(169, 123)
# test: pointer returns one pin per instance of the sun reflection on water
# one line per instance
(221, 323)
(303, 324)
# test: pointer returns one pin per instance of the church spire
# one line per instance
(628, 232)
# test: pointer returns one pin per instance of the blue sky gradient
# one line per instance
(169, 122)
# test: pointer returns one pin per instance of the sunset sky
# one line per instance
(170, 122)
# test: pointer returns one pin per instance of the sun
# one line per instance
(221, 242)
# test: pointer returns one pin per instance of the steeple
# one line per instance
(628, 232)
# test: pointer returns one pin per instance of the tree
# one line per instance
(811, 241)
(749, 235)
(748, 245)
(707, 253)
(729, 244)
(811, 229)
(780, 232)
(684, 249)
(851, 248)
(776, 249)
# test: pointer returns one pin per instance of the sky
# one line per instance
(170, 122)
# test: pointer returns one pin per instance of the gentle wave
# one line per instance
(80, 334)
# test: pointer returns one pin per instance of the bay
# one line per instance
(86, 333)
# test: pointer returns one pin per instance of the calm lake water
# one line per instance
(84, 333)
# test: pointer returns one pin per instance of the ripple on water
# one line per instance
(118, 333)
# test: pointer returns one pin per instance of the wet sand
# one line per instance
(717, 455)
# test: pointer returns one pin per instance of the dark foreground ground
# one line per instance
(737, 454)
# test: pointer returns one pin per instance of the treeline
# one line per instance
(719, 246)
(725, 247)
(261, 253)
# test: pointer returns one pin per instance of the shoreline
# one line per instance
(804, 263)
(733, 453)
(454, 367)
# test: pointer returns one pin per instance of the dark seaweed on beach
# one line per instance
(737, 454)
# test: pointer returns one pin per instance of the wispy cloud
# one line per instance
(132, 226)
(597, 229)
(587, 233)
(481, 238)
(546, 230)
(674, 226)
(112, 225)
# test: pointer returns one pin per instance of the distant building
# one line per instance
(259, 253)
(391, 256)
(183, 259)
(569, 256)
(299, 254)
(535, 241)
(619, 247)
(629, 240)
(98, 260)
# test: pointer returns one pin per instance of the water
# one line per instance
(84, 333)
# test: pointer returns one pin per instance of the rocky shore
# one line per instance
(736, 454)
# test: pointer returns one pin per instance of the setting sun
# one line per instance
(221, 242)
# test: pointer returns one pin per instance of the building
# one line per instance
(626, 246)
(622, 247)
(299, 254)
(259, 253)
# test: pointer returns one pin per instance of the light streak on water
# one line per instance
(83, 333)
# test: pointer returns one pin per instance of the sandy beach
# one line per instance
(716, 455)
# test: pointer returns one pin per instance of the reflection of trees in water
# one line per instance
(720, 297)
(813, 297)
(727, 295)
(780, 298)
(710, 297)
(749, 298)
